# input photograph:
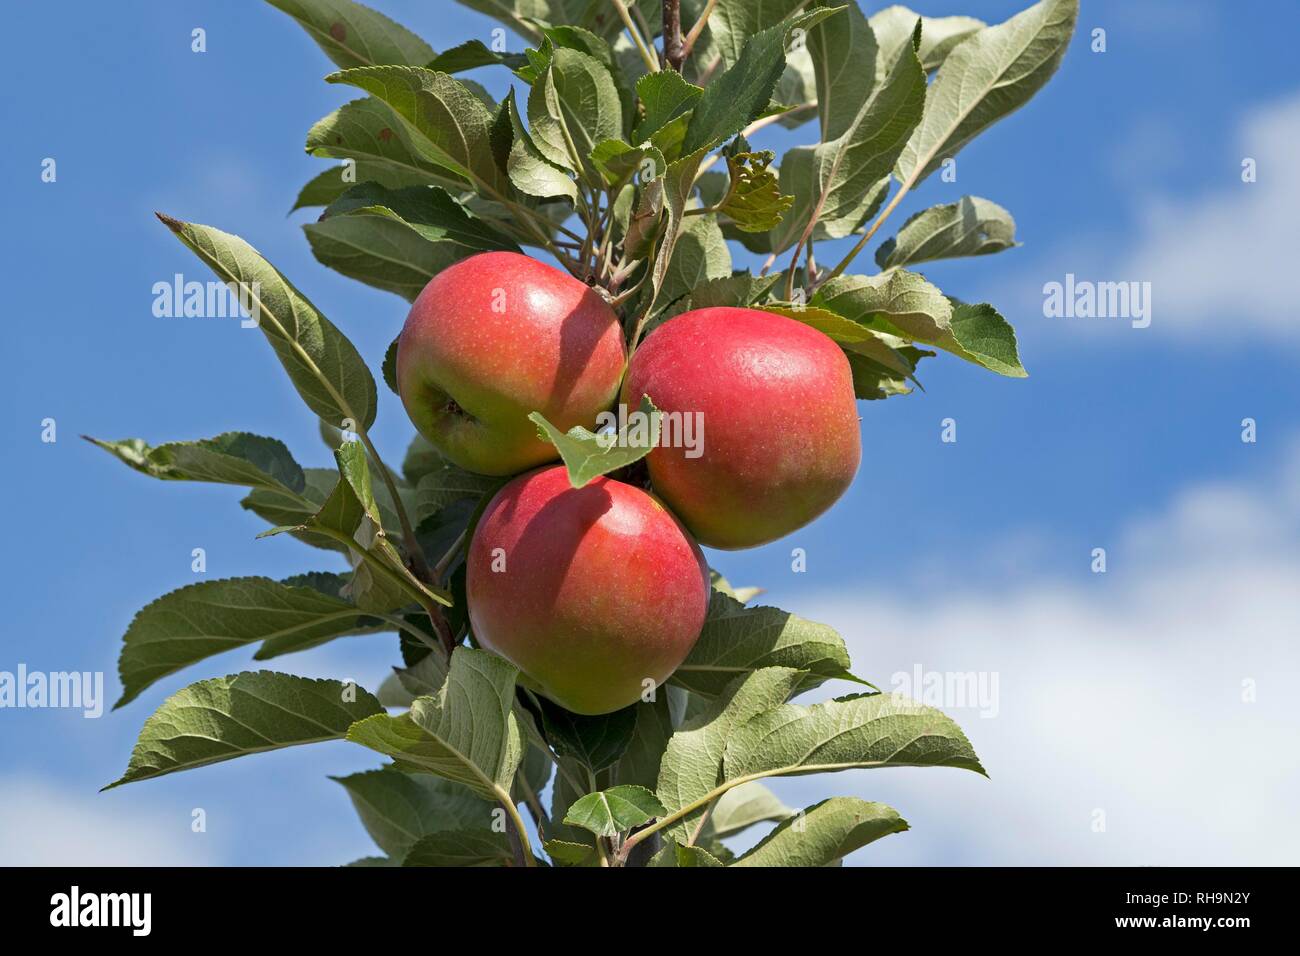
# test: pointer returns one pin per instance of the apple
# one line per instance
(494, 337)
(594, 593)
(780, 440)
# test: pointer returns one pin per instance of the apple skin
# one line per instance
(469, 374)
(601, 588)
(781, 441)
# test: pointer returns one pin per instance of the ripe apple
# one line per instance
(590, 592)
(494, 337)
(780, 422)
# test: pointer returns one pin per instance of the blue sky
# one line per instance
(967, 556)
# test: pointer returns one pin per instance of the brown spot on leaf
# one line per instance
(385, 134)
(175, 225)
(338, 31)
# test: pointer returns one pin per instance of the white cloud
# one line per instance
(1220, 260)
(44, 824)
(1225, 259)
(1120, 692)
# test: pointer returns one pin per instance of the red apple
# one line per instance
(494, 337)
(594, 593)
(780, 437)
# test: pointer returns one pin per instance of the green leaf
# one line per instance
(595, 742)
(282, 508)
(969, 227)
(893, 27)
(448, 124)
(369, 133)
(388, 368)
(530, 172)
(796, 91)
(742, 807)
(470, 55)
(397, 809)
(742, 93)
(351, 515)
(699, 254)
(460, 848)
(739, 290)
(519, 14)
(640, 762)
(573, 106)
(985, 77)
(330, 184)
(448, 484)
(664, 96)
(571, 783)
(873, 381)
(199, 620)
(421, 458)
(845, 61)
(645, 220)
(737, 639)
(825, 832)
(340, 587)
(564, 853)
(618, 162)
(732, 22)
(882, 349)
(533, 774)
(614, 811)
(904, 304)
(425, 677)
(692, 764)
(325, 368)
(353, 35)
(588, 456)
(584, 41)
(676, 855)
(754, 202)
(467, 733)
(987, 339)
(830, 181)
(860, 731)
(392, 694)
(671, 194)
(397, 240)
(247, 713)
(896, 302)
(232, 458)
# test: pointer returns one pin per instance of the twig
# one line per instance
(419, 564)
(689, 43)
(647, 54)
(534, 805)
(753, 128)
(445, 561)
(674, 52)
(866, 236)
(519, 844)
